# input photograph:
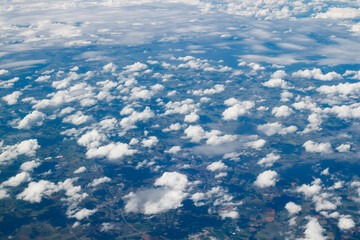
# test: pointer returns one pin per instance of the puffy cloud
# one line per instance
(314, 147)
(150, 142)
(192, 117)
(99, 181)
(343, 89)
(269, 160)
(292, 208)
(313, 230)
(345, 111)
(29, 166)
(173, 150)
(12, 98)
(77, 118)
(229, 214)
(112, 151)
(184, 107)
(310, 190)
(346, 223)
(9, 83)
(216, 166)
(195, 133)
(136, 67)
(316, 73)
(17, 180)
(172, 127)
(169, 195)
(110, 67)
(27, 147)
(3, 194)
(343, 148)
(237, 109)
(218, 88)
(276, 83)
(266, 179)
(130, 121)
(257, 144)
(340, 13)
(33, 119)
(84, 213)
(276, 128)
(91, 139)
(80, 170)
(36, 190)
(282, 111)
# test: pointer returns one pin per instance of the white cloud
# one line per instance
(218, 88)
(3, 194)
(192, 117)
(257, 144)
(310, 190)
(136, 67)
(229, 214)
(314, 147)
(195, 133)
(237, 109)
(340, 13)
(169, 195)
(313, 230)
(36, 190)
(112, 151)
(150, 142)
(276, 128)
(34, 119)
(174, 150)
(12, 98)
(292, 208)
(84, 213)
(99, 181)
(27, 147)
(276, 83)
(130, 121)
(29, 166)
(316, 73)
(282, 111)
(269, 160)
(266, 179)
(91, 139)
(17, 180)
(77, 118)
(216, 166)
(346, 223)
(80, 170)
(343, 148)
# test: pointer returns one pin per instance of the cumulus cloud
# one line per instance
(343, 148)
(266, 179)
(310, 190)
(192, 117)
(17, 180)
(80, 170)
(276, 128)
(36, 190)
(91, 139)
(77, 118)
(346, 223)
(317, 74)
(150, 141)
(237, 109)
(313, 230)
(84, 213)
(29, 166)
(136, 67)
(233, 214)
(217, 166)
(26, 147)
(169, 195)
(99, 181)
(34, 119)
(276, 83)
(292, 208)
(130, 121)
(282, 111)
(174, 150)
(257, 144)
(112, 151)
(269, 160)
(214, 137)
(313, 147)
(12, 98)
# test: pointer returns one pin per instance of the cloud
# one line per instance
(130, 121)
(282, 111)
(257, 144)
(339, 13)
(216, 166)
(112, 151)
(80, 170)
(317, 74)
(276, 128)
(84, 213)
(136, 67)
(150, 142)
(346, 223)
(34, 119)
(91, 139)
(169, 195)
(237, 109)
(266, 179)
(313, 230)
(192, 117)
(276, 83)
(233, 214)
(197, 133)
(12, 98)
(269, 160)
(310, 190)
(173, 150)
(77, 119)
(314, 147)
(343, 148)
(36, 190)
(292, 208)
(17, 180)
(29, 166)
(26, 147)
(99, 181)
